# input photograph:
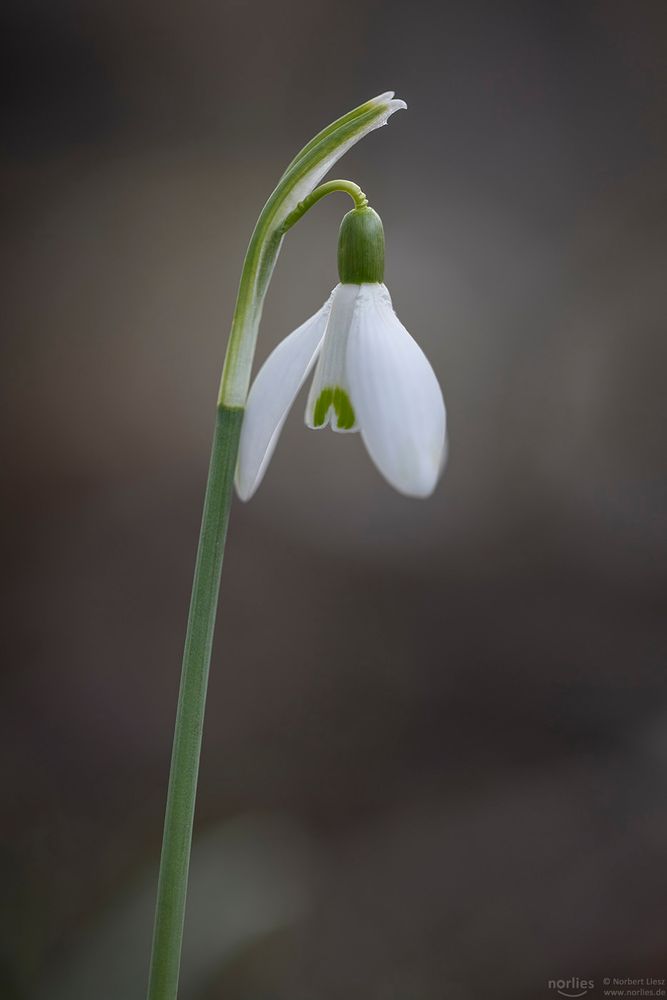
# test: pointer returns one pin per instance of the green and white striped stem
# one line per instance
(296, 192)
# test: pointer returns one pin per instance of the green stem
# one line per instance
(172, 885)
(347, 187)
(303, 173)
(179, 816)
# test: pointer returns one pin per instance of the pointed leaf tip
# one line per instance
(388, 99)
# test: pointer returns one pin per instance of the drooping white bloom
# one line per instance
(371, 376)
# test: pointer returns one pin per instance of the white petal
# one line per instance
(271, 396)
(396, 395)
(329, 397)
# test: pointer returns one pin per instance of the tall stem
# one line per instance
(295, 193)
(173, 880)
(182, 791)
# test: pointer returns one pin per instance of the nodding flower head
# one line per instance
(370, 376)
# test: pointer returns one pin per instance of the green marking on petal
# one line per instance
(324, 401)
(339, 399)
(344, 409)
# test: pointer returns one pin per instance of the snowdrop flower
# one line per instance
(370, 376)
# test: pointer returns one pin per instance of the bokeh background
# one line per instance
(435, 761)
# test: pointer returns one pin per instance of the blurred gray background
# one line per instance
(435, 761)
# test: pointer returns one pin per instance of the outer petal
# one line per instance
(396, 395)
(271, 396)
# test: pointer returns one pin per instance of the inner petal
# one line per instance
(330, 400)
(333, 404)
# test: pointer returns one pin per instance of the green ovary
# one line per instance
(340, 401)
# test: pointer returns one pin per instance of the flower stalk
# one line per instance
(295, 193)
(188, 729)
(347, 187)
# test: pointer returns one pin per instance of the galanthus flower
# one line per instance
(370, 376)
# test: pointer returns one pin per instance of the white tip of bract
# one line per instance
(390, 104)
(271, 396)
(396, 396)
(388, 99)
(338, 140)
